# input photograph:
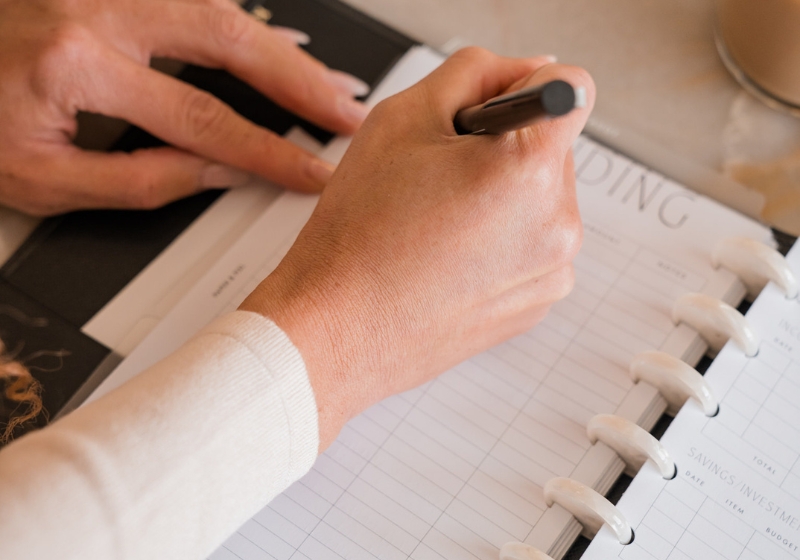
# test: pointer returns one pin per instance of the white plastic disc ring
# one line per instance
(632, 443)
(756, 264)
(591, 509)
(716, 321)
(674, 379)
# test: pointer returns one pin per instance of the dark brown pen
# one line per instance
(520, 109)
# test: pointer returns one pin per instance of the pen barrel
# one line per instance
(517, 109)
(497, 119)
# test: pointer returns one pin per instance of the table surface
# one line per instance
(657, 72)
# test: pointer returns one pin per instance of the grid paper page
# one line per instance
(455, 468)
(737, 494)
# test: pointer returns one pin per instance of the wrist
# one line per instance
(323, 333)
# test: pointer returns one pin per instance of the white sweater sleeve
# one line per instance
(171, 463)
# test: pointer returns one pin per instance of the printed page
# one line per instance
(455, 468)
(672, 222)
(737, 493)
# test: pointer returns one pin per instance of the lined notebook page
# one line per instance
(455, 468)
(737, 494)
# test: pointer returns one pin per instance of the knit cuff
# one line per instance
(273, 348)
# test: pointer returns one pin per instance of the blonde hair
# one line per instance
(22, 391)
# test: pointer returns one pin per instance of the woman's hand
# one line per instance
(427, 247)
(58, 57)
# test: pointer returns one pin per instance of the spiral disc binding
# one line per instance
(717, 322)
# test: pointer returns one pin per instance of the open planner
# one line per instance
(463, 465)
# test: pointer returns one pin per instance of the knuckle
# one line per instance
(303, 92)
(565, 282)
(568, 237)
(65, 50)
(143, 188)
(231, 28)
(403, 110)
(68, 42)
(202, 114)
(385, 109)
(473, 54)
(143, 194)
(556, 241)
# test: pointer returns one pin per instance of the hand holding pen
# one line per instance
(426, 247)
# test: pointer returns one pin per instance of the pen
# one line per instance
(520, 109)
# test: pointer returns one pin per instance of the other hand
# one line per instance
(59, 57)
(427, 247)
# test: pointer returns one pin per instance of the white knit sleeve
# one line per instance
(172, 462)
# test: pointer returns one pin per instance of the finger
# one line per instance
(67, 178)
(200, 123)
(472, 76)
(266, 58)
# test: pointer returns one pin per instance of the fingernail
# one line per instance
(352, 110)
(321, 171)
(550, 58)
(294, 35)
(580, 97)
(216, 175)
(347, 83)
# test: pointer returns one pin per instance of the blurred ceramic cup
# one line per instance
(759, 41)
